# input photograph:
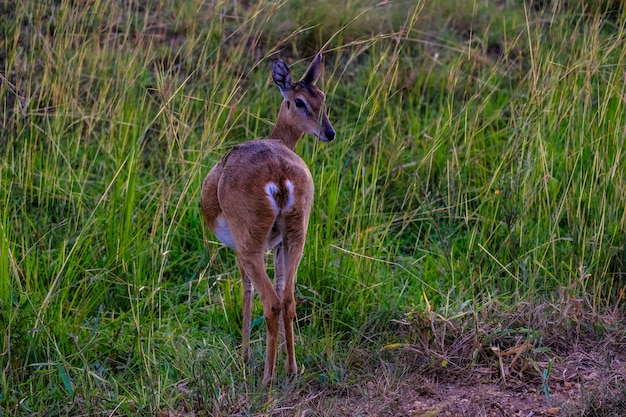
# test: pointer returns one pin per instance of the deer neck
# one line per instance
(284, 131)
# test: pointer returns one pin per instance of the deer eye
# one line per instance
(299, 103)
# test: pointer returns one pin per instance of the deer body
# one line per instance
(259, 197)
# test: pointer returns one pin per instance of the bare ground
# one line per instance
(587, 378)
(579, 386)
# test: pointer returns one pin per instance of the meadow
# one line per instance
(473, 201)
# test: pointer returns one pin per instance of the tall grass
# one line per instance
(479, 156)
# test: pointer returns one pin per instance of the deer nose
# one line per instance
(329, 135)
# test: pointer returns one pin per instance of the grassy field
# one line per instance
(477, 186)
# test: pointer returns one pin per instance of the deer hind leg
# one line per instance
(293, 254)
(253, 267)
(248, 294)
(279, 283)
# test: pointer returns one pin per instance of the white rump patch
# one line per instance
(271, 189)
(222, 232)
(290, 198)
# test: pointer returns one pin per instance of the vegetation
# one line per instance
(478, 176)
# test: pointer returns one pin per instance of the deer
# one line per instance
(258, 198)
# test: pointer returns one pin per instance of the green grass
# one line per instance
(479, 156)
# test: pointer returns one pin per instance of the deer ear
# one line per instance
(314, 71)
(281, 76)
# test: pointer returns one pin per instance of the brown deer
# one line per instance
(259, 197)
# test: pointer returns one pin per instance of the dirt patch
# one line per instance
(558, 370)
(581, 384)
(479, 400)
